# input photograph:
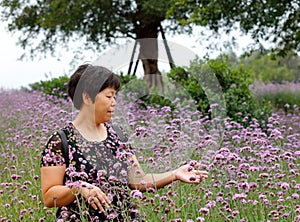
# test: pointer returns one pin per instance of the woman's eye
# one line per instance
(112, 97)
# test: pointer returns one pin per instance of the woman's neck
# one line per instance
(87, 127)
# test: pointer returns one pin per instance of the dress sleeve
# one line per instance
(52, 154)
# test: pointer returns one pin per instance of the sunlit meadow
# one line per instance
(254, 175)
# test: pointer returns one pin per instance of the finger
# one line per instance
(194, 179)
(103, 200)
(197, 172)
(91, 201)
(105, 204)
(204, 174)
(107, 201)
(197, 178)
(197, 165)
(94, 205)
(99, 205)
(201, 166)
(101, 208)
(200, 172)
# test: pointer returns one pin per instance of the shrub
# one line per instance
(134, 88)
(269, 68)
(58, 86)
(202, 79)
(55, 86)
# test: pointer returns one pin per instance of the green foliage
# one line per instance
(267, 68)
(55, 86)
(234, 83)
(208, 82)
(272, 21)
(58, 86)
(96, 24)
(126, 78)
(292, 61)
(193, 87)
(132, 87)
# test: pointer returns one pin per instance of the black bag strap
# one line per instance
(120, 133)
(64, 146)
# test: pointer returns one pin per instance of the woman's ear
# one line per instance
(86, 99)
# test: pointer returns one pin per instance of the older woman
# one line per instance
(92, 182)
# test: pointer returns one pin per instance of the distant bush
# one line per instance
(234, 82)
(200, 79)
(136, 88)
(58, 86)
(55, 86)
(126, 78)
(207, 82)
(268, 68)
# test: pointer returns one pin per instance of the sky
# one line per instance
(16, 74)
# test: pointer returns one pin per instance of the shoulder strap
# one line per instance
(120, 133)
(64, 146)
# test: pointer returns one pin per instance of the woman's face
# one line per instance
(105, 102)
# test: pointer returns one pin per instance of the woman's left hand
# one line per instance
(190, 174)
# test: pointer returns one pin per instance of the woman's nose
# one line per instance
(114, 102)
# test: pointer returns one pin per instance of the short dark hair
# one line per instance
(90, 79)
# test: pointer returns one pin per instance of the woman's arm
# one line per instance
(55, 194)
(141, 181)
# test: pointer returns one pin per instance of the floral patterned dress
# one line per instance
(103, 164)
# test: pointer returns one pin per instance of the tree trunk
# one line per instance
(147, 37)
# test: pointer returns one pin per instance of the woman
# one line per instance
(92, 185)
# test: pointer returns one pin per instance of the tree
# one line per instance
(274, 21)
(267, 69)
(292, 61)
(99, 23)
(96, 23)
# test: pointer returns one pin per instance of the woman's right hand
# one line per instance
(94, 196)
(190, 174)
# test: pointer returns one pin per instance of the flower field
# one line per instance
(281, 96)
(254, 175)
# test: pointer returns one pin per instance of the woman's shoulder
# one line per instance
(56, 135)
(69, 127)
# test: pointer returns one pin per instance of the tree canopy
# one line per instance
(45, 24)
(95, 23)
(274, 21)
